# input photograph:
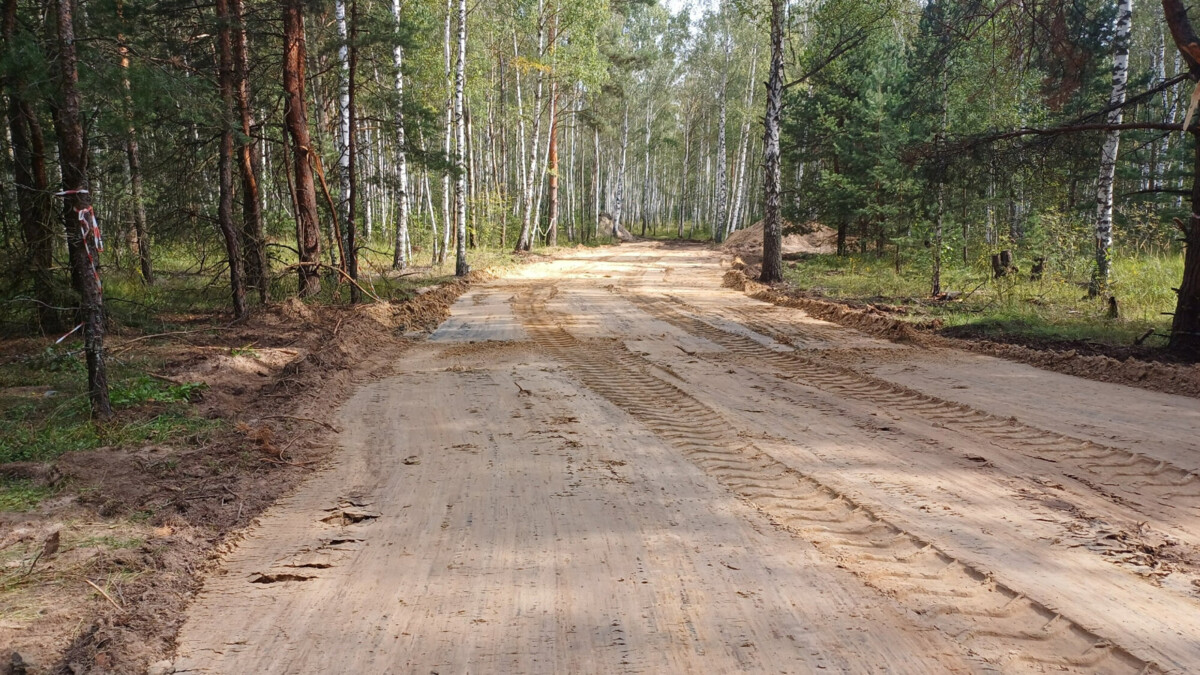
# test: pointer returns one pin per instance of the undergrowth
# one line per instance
(44, 410)
(1053, 308)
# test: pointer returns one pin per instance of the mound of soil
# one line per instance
(1115, 365)
(814, 238)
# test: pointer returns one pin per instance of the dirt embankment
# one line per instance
(1171, 378)
(143, 522)
(815, 238)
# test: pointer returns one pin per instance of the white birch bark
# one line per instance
(646, 169)
(735, 213)
(1108, 155)
(401, 255)
(447, 214)
(343, 119)
(460, 140)
(722, 186)
(520, 129)
(617, 197)
(528, 220)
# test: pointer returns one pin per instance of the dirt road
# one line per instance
(609, 463)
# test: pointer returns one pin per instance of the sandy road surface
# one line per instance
(608, 463)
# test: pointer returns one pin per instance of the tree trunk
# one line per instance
(400, 258)
(645, 206)
(34, 206)
(596, 178)
(620, 181)
(254, 249)
(308, 233)
(133, 158)
(1108, 155)
(552, 164)
(683, 184)
(1185, 326)
(225, 82)
(344, 132)
(461, 268)
(739, 181)
(772, 264)
(350, 257)
(447, 137)
(83, 233)
(529, 217)
(718, 226)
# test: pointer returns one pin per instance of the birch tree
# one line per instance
(772, 265)
(1108, 154)
(402, 246)
(460, 183)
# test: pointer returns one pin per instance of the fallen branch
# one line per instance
(164, 378)
(304, 465)
(123, 347)
(302, 419)
(340, 271)
(106, 595)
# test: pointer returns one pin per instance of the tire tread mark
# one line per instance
(915, 572)
(1099, 460)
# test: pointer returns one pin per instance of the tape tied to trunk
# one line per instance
(93, 242)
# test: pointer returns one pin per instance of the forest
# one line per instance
(240, 153)
(285, 149)
(686, 253)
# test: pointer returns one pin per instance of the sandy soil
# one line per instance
(610, 463)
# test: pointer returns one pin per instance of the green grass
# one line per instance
(35, 426)
(1054, 308)
(22, 495)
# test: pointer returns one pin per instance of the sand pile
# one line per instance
(747, 243)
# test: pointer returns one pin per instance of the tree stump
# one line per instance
(1039, 268)
(1002, 264)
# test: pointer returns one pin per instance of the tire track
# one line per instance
(1138, 475)
(989, 618)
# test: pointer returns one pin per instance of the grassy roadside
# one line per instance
(1053, 309)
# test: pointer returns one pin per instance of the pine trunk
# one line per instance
(225, 83)
(308, 233)
(79, 219)
(35, 211)
(254, 248)
(133, 158)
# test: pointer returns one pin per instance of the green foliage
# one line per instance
(44, 410)
(145, 389)
(1053, 308)
(22, 495)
